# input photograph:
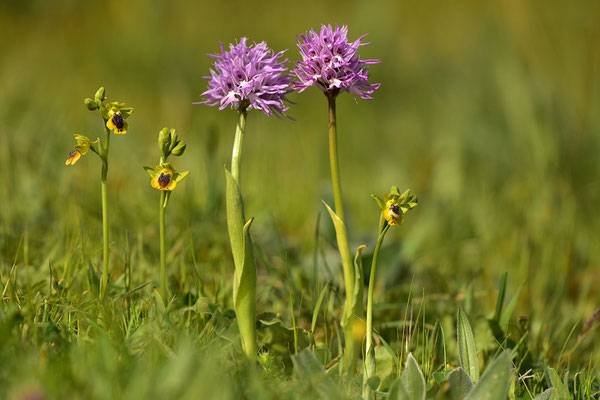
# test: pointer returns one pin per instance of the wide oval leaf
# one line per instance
(460, 384)
(413, 380)
(495, 381)
(467, 352)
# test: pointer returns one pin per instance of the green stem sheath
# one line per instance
(163, 255)
(104, 156)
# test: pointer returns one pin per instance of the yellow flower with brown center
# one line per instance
(116, 122)
(74, 156)
(82, 147)
(395, 205)
(392, 213)
(164, 180)
(165, 176)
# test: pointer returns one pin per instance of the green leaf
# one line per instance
(159, 302)
(413, 380)
(379, 201)
(495, 381)
(315, 315)
(441, 376)
(309, 371)
(93, 279)
(548, 394)
(271, 319)
(510, 308)
(560, 390)
(244, 281)
(179, 176)
(306, 364)
(245, 293)
(152, 172)
(467, 352)
(235, 220)
(248, 270)
(126, 111)
(460, 384)
(407, 201)
(439, 343)
(357, 298)
(373, 382)
(566, 385)
(385, 367)
(501, 293)
(344, 249)
(398, 391)
(389, 349)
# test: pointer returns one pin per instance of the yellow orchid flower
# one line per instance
(83, 146)
(116, 122)
(165, 176)
(395, 205)
(391, 213)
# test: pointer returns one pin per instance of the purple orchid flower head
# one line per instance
(330, 62)
(248, 77)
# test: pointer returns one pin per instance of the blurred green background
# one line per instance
(489, 111)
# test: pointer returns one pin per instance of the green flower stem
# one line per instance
(369, 333)
(349, 314)
(370, 362)
(333, 160)
(236, 156)
(104, 156)
(163, 256)
(244, 281)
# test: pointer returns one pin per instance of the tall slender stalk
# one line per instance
(369, 361)
(350, 313)
(369, 332)
(236, 238)
(163, 255)
(333, 159)
(104, 157)
(236, 156)
(244, 281)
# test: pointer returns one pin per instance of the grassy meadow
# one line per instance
(488, 111)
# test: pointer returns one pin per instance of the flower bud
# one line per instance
(90, 104)
(173, 139)
(179, 148)
(100, 95)
(164, 142)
